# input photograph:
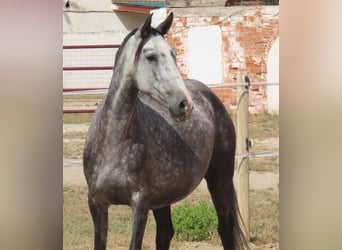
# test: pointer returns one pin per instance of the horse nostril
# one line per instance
(183, 104)
(183, 107)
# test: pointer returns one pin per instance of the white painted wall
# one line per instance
(159, 15)
(90, 22)
(94, 22)
(204, 54)
(273, 76)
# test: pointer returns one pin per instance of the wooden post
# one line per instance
(242, 148)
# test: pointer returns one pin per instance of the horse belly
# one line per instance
(171, 188)
(175, 177)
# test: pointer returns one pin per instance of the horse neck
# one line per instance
(119, 106)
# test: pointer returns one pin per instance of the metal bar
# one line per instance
(81, 89)
(98, 46)
(79, 111)
(238, 84)
(72, 163)
(210, 86)
(78, 91)
(87, 92)
(88, 68)
(258, 155)
(105, 90)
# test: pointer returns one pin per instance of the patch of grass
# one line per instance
(269, 144)
(73, 149)
(270, 164)
(264, 217)
(73, 144)
(72, 135)
(77, 118)
(82, 97)
(194, 223)
(77, 224)
(78, 231)
(263, 126)
(81, 101)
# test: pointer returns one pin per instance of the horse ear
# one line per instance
(164, 27)
(146, 27)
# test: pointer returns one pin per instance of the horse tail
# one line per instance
(239, 228)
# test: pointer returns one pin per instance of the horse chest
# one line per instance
(117, 173)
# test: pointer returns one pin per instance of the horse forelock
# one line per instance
(152, 33)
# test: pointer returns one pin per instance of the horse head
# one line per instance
(155, 69)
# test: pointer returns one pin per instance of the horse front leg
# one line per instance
(140, 214)
(164, 227)
(99, 213)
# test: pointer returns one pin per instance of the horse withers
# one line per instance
(153, 139)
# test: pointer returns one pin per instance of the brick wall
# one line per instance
(247, 37)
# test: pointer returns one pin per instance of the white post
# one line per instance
(242, 140)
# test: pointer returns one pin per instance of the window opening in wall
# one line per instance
(204, 54)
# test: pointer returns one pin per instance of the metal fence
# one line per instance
(87, 71)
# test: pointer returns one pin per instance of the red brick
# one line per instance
(254, 32)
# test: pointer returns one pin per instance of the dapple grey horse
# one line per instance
(153, 139)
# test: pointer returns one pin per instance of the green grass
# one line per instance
(78, 226)
(80, 102)
(77, 118)
(263, 126)
(75, 135)
(264, 134)
(194, 223)
(264, 164)
(73, 144)
(264, 214)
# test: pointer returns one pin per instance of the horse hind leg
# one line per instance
(99, 213)
(165, 230)
(221, 188)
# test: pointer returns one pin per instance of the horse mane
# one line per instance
(152, 32)
(119, 52)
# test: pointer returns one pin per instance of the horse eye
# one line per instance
(151, 58)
